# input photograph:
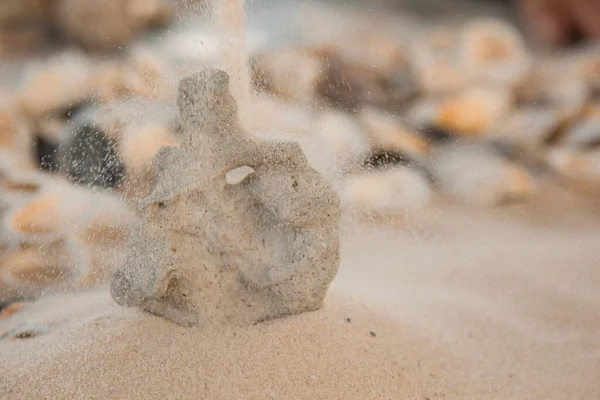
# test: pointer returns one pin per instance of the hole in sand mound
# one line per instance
(236, 176)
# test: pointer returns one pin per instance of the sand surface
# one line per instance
(461, 304)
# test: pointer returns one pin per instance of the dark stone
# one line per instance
(88, 157)
(46, 153)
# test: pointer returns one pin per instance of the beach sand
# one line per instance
(454, 304)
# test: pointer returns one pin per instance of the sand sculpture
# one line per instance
(236, 230)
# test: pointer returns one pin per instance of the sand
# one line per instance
(450, 304)
(234, 55)
(461, 304)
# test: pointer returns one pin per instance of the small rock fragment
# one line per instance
(344, 144)
(528, 130)
(583, 134)
(388, 133)
(434, 61)
(50, 128)
(335, 74)
(589, 68)
(56, 211)
(273, 118)
(15, 130)
(293, 74)
(440, 77)
(26, 331)
(17, 174)
(556, 84)
(366, 66)
(474, 112)
(366, 46)
(477, 175)
(392, 192)
(493, 52)
(580, 169)
(59, 238)
(56, 84)
(21, 40)
(30, 270)
(18, 182)
(109, 24)
(155, 82)
(349, 86)
(11, 309)
(529, 126)
(151, 13)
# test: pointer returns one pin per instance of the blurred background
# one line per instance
(406, 107)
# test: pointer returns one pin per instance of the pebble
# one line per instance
(276, 119)
(527, 131)
(23, 11)
(15, 130)
(60, 211)
(475, 112)
(292, 74)
(529, 127)
(434, 61)
(88, 156)
(22, 40)
(30, 270)
(109, 24)
(579, 168)
(390, 192)
(344, 143)
(11, 309)
(493, 52)
(349, 86)
(582, 134)
(139, 144)
(56, 84)
(17, 175)
(568, 92)
(477, 175)
(387, 132)
(26, 331)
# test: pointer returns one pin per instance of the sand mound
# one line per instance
(98, 350)
(461, 305)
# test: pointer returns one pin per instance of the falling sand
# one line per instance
(234, 50)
